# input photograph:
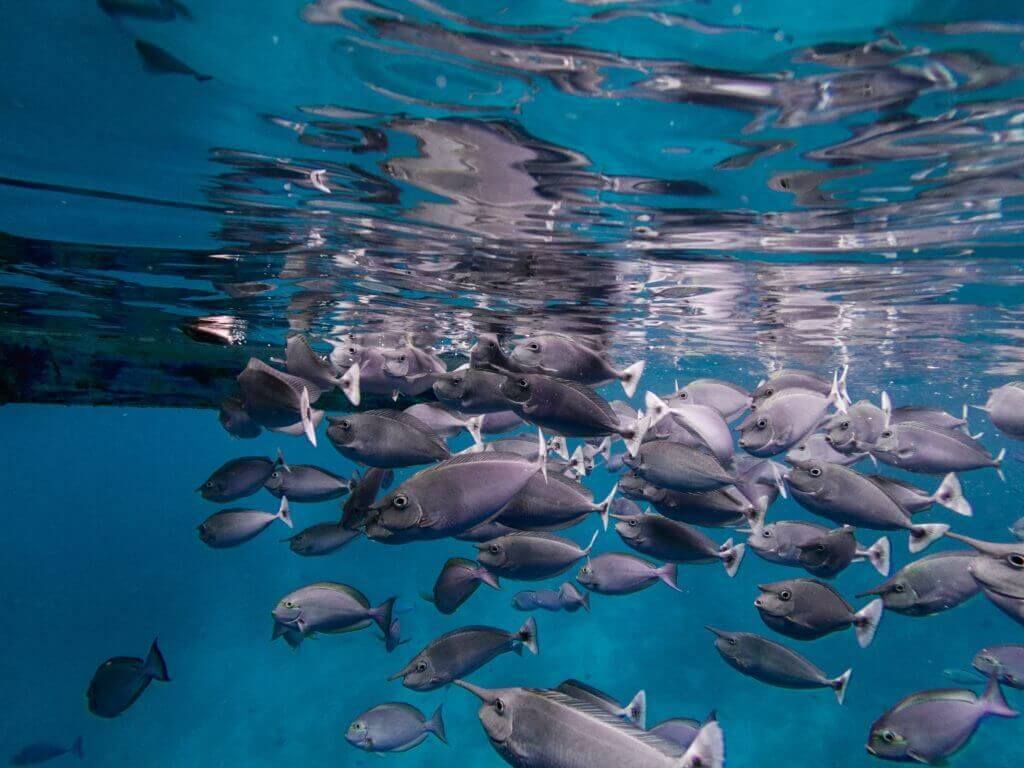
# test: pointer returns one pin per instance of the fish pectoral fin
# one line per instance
(922, 759)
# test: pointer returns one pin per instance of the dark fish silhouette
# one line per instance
(159, 62)
(42, 752)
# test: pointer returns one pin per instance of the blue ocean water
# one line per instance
(721, 188)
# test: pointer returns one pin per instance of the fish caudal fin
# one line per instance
(630, 377)
(306, 413)
(590, 546)
(527, 636)
(866, 621)
(922, 536)
(382, 616)
(349, 384)
(879, 555)
(950, 494)
(488, 578)
(634, 436)
(994, 702)
(605, 506)
(997, 462)
(284, 513)
(835, 393)
(155, 667)
(435, 725)
(667, 573)
(636, 710)
(473, 426)
(76, 748)
(731, 556)
(281, 462)
(542, 454)
(840, 683)
(707, 750)
(559, 446)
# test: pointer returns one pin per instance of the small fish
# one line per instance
(305, 483)
(1005, 407)
(678, 467)
(43, 752)
(487, 353)
(618, 573)
(1003, 662)
(445, 422)
(118, 682)
(929, 726)
(829, 554)
(327, 607)
(386, 439)
(456, 583)
(471, 390)
(775, 664)
(462, 652)
(270, 395)
(231, 527)
(806, 609)
(149, 10)
(534, 599)
(780, 542)
(929, 585)
(321, 539)
(553, 503)
(783, 419)
(364, 493)
(565, 358)
(920, 447)
(394, 727)
(159, 62)
(411, 370)
(789, 379)
(531, 555)
(817, 447)
(572, 599)
(729, 399)
(635, 711)
(237, 479)
(676, 542)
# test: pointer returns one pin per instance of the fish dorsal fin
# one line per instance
(568, 482)
(948, 694)
(952, 434)
(591, 395)
(546, 536)
(580, 690)
(612, 721)
(299, 345)
(295, 383)
(401, 417)
(462, 562)
(352, 592)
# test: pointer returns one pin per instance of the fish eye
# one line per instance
(815, 471)
(1016, 560)
(492, 344)
(534, 346)
(400, 501)
(732, 641)
(898, 588)
(499, 706)
(769, 392)
(401, 358)
(524, 384)
(785, 595)
(456, 381)
(683, 395)
(888, 736)
(208, 484)
(275, 474)
(887, 433)
(766, 533)
(633, 523)
(421, 667)
(820, 548)
(345, 424)
(844, 425)
(289, 604)
(494, 549)
(762, 423)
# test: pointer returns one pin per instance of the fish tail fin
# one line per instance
(281, 462)
(656, 408)
(835, 393)
(306, 413)
(866, 621)
(982, 408)
(667, 573)
(590, 546)
(605, 506)
(994, 702)
(636, 710)
(879, 555)
(473, 426)
(436, 725)
(998, 464)
(922, 536)
(155, 667)
(284, 512)
(488, 578)
(847, 400)
(604, 450)
(780, 480)
(383, 614)
(76, 748)
(585, 601)
(707, 750)
(630, 377)
(886, 406)
(577, 462)
(527, 636)
(732, 556)
(349, 384)
(950, 494)
(559, 446)
(542, 454)
(840, 683)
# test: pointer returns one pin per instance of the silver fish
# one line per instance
(237, 479)
(531, 555)
(553, 503)
(702, 421)
(679, 468)
(784, 419)
(394, 727)
(327, 607)
(618, 573)
(1005, 407)
(118, 682)
(729, 399)
(565, 358)
(829, 554)
(386, 439)
(818, 447)
(918, 447)
(305, 483)
(676, 542)
(444, 422)
(1003, 662)
(458, 580)
(780, 542)
(411, 370)
(471, 390)
(806, 609)
(231, 527)
(635, 711)
(321, 539)
(930, 585)
(268, 390)
(789, 379)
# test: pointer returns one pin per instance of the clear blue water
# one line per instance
(713, 186)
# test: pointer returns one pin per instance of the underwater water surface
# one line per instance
(722, 189)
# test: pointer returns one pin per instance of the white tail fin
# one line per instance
(542, 454)
(998, 464)
(604, 450)
(779, 480)
(835, 393)
(558, 446)
(284, 513)
(886, 409)
(667, 573)
(922, 536)
(865, 622)
(842, 388)
(281, 462)
(306, 413)
(707, 750)
(950, 494)
(656, 408)
(527, 635)
(577, 462)
(732, 556)
(879, 555)
(840, 683)
(605, 506)
(636, 710)
(349, 384)
(473, 427)
(640, 427)
(590, 546)
(630, 377)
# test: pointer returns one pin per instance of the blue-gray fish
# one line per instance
(788, 378)
(780, 542)
(537, 599)
(321, 539)
(818, 447)
(118, 682)
(826, 556)
(775, 664)
(456, 583)
(1005, 407)
(471, 390)
(635, 711)
(1004, 662)
(930, 585)
(806, 609)
(919, 447)
(535, 728)
(451, 497)
(386, 439)
(462, 652)
(237, 479)
(557, 355)
(783, 419)
(394, 727)
(330, 608)
(552, 503)
(149, 10)
(300, 359)
(676, 542)
(158, 61)
(929, 726)
(702, 421)
(678, 467)
(445, 422)
(729, 399)
(269, 391)
(411, 370)
(231, 527)
(487, 353)
(43, 752)
(305, 482)
(618, 573)
(531, 555)
(364, 493)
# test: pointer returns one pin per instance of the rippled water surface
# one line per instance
(721, 188)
